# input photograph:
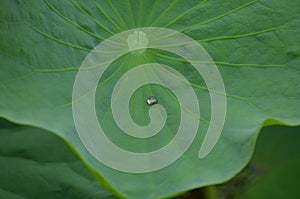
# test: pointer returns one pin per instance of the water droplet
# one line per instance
(151, 101)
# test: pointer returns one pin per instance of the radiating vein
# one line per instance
(228, 64)
(92, 90)
(220, 16)
(52, 8)
(56, 39)
(117, 14)
(170, 94)
(246, 100)
(164, 13)
(140, 13)
(131, 13)
(106, 16)
(151, 12)
(186, 13)
(92, 18)
(242, 35)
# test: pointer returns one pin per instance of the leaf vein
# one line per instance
(220, 16)
(106, 16)
(186, 13)
(56, 39)
(242, 35)
(91, 17)
(53, 9)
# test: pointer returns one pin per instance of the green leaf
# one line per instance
(277, 156)
(37, 164)
(255, 45)
(273, 171)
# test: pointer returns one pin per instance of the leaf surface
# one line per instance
(255, 45)
(277, 156)
(37, 164)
